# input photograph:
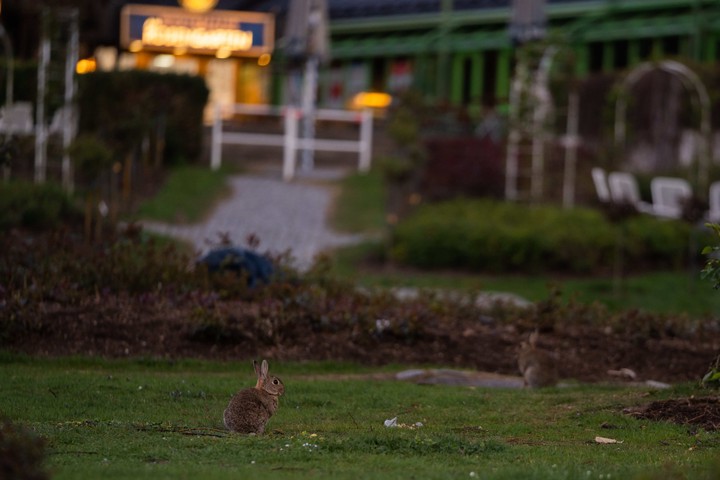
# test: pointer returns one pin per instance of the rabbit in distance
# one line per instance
(250, 409)
(538, 367)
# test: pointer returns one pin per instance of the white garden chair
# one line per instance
(16, 119)
(669, 196)
(601, 184)
(624, 189)
(713, 213)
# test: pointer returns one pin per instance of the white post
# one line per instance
(538, 155)
(511, 163)
(365, 150)
(308, 110)
(40, 129)
(69, 115)
(216, 139)
(571, 147)
(290, 147)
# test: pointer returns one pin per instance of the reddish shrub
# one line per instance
(463, 166)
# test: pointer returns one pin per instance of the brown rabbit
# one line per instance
(537, 366)
(250, 409)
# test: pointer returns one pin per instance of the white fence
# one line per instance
(289, 140)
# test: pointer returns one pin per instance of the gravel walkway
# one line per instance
(283, 216)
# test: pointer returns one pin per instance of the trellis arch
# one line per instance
(692, 83)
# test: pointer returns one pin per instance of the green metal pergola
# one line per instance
(461, 40)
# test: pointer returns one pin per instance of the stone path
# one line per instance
(284, 216)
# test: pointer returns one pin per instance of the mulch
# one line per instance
(701, 412)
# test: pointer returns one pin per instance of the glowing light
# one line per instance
(223, 52)
(135, 46)
(371, 100)
(264, 60)
(86, 65)
(157, 33)
(198, 6)
(163, 61)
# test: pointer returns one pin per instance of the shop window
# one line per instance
(252, 83)
(401, 75)
(333, 86)
(356, 78)
(221, 79)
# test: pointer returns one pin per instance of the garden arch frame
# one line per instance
(692, 83)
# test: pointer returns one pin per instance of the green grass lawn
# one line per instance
(157, 419)
(664, 292)
(360, 207)
(188, 194)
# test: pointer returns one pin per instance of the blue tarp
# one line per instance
(258, 268)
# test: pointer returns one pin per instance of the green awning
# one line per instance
(389, 45)
(606, 29)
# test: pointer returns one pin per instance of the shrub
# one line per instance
(502, 237)
(463, 166)
(33, 206)
(122, 107)
(657, 243)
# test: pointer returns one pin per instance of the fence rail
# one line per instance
(289, 139)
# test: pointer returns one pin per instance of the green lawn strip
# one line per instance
(127, 419)
(188, 194)
(664, 292)
(360, 207)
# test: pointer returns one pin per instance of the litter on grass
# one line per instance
(393, 423)
(605, 440)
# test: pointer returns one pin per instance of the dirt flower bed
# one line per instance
(346, 328)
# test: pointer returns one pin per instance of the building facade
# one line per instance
(460, 51)
(456, 52)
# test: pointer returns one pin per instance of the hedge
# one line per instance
(24, 204)
(123, 106)
(493, 236)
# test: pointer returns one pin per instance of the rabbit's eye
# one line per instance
(275, 382)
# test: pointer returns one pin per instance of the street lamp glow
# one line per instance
(198, 6)
(86, 65)
(371, 100)
(264, 60)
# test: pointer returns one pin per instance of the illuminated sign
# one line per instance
(219, 32)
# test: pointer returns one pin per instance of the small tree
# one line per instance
(712, 272)
(93, 161)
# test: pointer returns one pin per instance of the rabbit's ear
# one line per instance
(260, 377)
(264, 369)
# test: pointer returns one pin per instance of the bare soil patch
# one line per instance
(703, 412)
(172, 327)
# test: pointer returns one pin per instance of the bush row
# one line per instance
(27, 205)
(123, 107)
(486, 235)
